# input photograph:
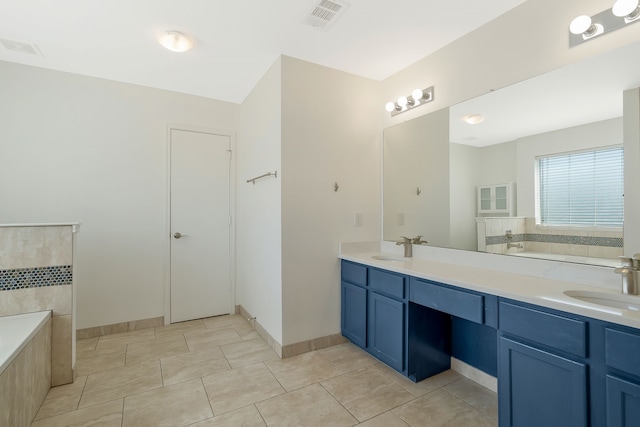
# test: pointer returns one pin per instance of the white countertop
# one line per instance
(535, 290)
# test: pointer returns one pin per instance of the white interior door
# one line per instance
(200, 225)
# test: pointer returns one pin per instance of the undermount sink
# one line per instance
(389, 258)
(622, 301)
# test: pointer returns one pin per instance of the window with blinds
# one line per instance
(582, 188)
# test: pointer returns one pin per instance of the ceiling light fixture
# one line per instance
(405, 103)
(473, 119)
(175, 41)
(584, 27)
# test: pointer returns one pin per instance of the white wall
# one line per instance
(631, 99)
(592, 135)
(258, 227)
(416, 155)
(465, 164)
(76, 148)
(330, 133)
(528, 40)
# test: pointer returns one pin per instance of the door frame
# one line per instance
(232, 213)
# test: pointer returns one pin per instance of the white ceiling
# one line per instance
(584, 92)
(236, 40)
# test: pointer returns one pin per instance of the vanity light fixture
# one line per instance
(405, 103)
(585, 27)
(175, 41)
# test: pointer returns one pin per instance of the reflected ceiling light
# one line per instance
(175, 41)
(585, 27)
(627, 9)
(406, 103)
(473, 119)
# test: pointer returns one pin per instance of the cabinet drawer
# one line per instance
(448, 300)
(623, 351)
(354, 273)
(555, 331)
(388, 283)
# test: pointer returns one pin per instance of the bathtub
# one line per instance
(16, 332)
(25, 366)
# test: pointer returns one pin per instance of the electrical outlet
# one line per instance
(400, 219)
(357, 220)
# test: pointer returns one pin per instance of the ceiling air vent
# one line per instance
(324, 13)
(15, 46)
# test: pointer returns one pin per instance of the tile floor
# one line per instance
(219, 372)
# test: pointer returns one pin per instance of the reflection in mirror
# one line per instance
(477, 183)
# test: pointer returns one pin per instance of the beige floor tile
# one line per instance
(475, 395)
(108, 349)
(442, 409)
(247, 352)
(367, 393)
(193, 365)
(240, 387)
(126, 337)
(309, 406)
(388, 419)
(246, 331)
(176, 405)
(420, 388)
(62, 399)
(302, 370)
(245, 417)
(117, 383)
(93, 365)
(347, 357)
(86, 345)
(179, 328)
(224, 321)
(209, 338)
(155, 349)
(108, 414)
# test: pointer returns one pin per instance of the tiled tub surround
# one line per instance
(574, 242)
(25, 366)
(36, 274)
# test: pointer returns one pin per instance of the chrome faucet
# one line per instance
(408, 247)
(630, 271)
(418, 241)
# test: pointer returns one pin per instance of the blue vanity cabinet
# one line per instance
(386, 318)
(542, 368)
(622, 360)
(354, 303)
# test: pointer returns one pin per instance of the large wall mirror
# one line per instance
(478, 187)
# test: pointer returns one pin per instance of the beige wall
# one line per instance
(77, 148)
(258, 226)
(330, 133)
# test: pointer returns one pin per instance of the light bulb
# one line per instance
(473, 119)
(175, 41)
(390, 106)
(623, 8)
(580, 25)
(403, 101)
(417, 95)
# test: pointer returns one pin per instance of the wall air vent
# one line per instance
(324, 13)
(28, 48)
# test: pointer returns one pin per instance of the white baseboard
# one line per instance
(475, 374)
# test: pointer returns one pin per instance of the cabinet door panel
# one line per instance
(386, 330)
(623, 402)
(354, 314)
(537, 388)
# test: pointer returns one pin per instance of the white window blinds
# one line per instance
(583, 188)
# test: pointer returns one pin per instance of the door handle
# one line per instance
(178, 235)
